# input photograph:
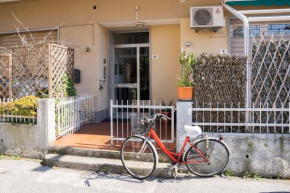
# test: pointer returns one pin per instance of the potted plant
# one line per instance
(185, 84)
(166, 112)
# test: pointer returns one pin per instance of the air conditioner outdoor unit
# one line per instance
(207, 17)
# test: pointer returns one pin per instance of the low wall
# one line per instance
(262, 154)
(30, 140)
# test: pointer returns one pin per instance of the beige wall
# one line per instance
(80, 37)
(89, 63)
(50, 13)
(165, 42)
(202, 41)
(80, 27)
(102, 36)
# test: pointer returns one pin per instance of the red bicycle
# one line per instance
(204, 156)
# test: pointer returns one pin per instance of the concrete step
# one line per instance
(105, 165)
(95, 153)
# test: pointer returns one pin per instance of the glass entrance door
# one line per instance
(131, 74)
(126, 76)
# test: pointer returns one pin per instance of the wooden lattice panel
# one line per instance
(271, 78)
(35, 70)
(5, 74)
(62, 62)
(271, 72)
(30, 71)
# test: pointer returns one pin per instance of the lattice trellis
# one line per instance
(271, 72)
(62, 62)
(5, 76)
(29, 71)
(33, 70)
(220, 79)
(271, 79)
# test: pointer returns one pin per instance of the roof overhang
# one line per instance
(8, 1)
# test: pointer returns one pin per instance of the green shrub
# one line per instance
(187, 64)
(68, 86)
(25, 106)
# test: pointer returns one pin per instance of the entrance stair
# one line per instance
(106, 161)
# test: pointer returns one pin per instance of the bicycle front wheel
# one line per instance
(214, 150)
(138, 157)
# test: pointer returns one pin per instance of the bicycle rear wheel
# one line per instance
(218, 155)
(138, 157)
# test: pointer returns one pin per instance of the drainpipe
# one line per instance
(245, 21)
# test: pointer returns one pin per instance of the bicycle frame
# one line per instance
(178, 155)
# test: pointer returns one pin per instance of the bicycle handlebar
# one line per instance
(155, 116)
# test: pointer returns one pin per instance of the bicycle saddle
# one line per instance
(192, 131)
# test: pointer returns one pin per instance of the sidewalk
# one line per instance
(28, 176)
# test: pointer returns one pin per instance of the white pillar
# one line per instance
(184, 117)
(46, 119)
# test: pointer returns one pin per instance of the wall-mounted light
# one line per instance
(188, 44)
(182, 1)
(101, 83)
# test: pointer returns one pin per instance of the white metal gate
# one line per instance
(72, 113)
(122, 112)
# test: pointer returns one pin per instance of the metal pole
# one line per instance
(246, 44)
(111, 117)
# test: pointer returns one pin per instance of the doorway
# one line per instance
(131, 67)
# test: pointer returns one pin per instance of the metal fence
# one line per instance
(72, 113)
(232, 119)
(123, 111)
(7, 115)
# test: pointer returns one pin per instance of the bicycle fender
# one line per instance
(154, 150)
(196, 141)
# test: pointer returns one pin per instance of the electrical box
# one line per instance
(77, 76)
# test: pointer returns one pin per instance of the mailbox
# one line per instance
(77, 76)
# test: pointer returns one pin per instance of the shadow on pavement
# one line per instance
(89, 176)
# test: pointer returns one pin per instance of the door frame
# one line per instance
(137, 46)
(111, 47)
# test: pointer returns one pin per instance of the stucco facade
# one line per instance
(82, 26)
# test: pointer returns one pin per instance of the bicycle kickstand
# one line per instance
(169, 170)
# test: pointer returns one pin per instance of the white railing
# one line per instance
(222, 118)
(73, 112)
(123, 111)
(8, 116)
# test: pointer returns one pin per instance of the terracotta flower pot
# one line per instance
(185, 93)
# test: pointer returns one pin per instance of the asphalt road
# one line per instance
(28, 176)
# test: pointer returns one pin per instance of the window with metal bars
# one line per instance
(278, 28)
